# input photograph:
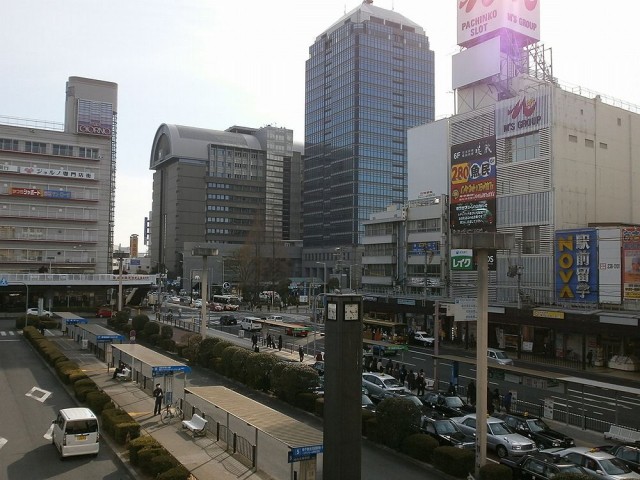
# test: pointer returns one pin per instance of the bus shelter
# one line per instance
(149, 367)
(271, 441)
(69, 323)
(98, 339)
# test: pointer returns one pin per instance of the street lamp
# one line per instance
(119, 256)
(324, 269)
(205, 253)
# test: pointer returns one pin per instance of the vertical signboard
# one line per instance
(609, 266)
(473, 186)
(631, 262)
(576, 265)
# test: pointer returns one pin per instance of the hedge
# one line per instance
(496, 471)
(97, 400)
(140, 443)
(146, 455)
(458, 462)
(126, 431)
(176, 473)
(420, 446)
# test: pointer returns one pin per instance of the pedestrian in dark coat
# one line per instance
(157, 394)
(411, 380)
(471, 393)
(279, 342)
(301, 352)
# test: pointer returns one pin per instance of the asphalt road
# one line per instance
(31, 396)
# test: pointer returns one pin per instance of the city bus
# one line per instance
(229, 302)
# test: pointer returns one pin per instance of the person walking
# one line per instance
(590, 358)
(411, 380)
(158, 394)
(301, 352)
(421, 383)
(471, 393)
(506, 402)
(279, 343)
(403, 374)
(495, 400)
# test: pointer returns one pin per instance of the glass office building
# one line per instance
(369, 78)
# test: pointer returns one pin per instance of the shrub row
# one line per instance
(155, 460)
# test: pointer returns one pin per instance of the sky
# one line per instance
(213, 64)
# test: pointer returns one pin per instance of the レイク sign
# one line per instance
(462, 259)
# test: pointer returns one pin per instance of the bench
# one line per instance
(124, 376)
(622, 434)
(197, 425)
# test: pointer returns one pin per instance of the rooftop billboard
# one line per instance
(479, 20)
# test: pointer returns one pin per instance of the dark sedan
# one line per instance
(447, 433)
(537, 430)
(540, 467)
(446, 405)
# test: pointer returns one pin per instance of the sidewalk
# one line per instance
(203, 456)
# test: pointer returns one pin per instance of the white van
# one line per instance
(76, 432)
(251, 323)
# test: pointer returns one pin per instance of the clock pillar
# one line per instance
(343, 387)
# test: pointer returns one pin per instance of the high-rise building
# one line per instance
(58, 185)
(225, 189)
(369, 78)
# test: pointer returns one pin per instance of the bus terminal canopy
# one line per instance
(70, 318)
(147, 361)
(98, 334)
(282, 428)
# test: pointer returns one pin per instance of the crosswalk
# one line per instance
(8, 334)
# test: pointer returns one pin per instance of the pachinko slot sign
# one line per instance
(576, 265)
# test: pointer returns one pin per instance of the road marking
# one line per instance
(39, 394)
(49, 433)
(3, 441)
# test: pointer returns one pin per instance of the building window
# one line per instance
(525, 147)
(604, 146)
(66, 150)
(588, 143)
(85, 152)
(35, 147)
(573, 138)
(531, 240)
(8, 144)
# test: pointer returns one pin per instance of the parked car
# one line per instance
(197, 303)
(446, 405)
(540, 467)
(537, 430)
(424, 339)
(228, 320)
(499, 437)
(104, 311)
(34, 311)
(596, 462)
(629, 454)
(275, 318)
(367, 403)
(447, 433)
(379, 385)
(251, 323)
(498, 356)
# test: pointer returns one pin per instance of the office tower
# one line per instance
(369, 78)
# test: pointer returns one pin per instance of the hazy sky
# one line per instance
(213, 63)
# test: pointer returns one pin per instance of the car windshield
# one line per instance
(446, 427)
(613, 466)
(501, 355)
(499, 428)
(537, 425)
(571, 469)
(454, 402)
(391, 383)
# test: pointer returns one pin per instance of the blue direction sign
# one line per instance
(3, 282)
(304, 453)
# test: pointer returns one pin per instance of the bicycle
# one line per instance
(171, 413)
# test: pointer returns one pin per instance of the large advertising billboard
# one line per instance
(576, 265)
(631, 262)
(525, 113)
(479, 20)
(95, 118)
(473, 185)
